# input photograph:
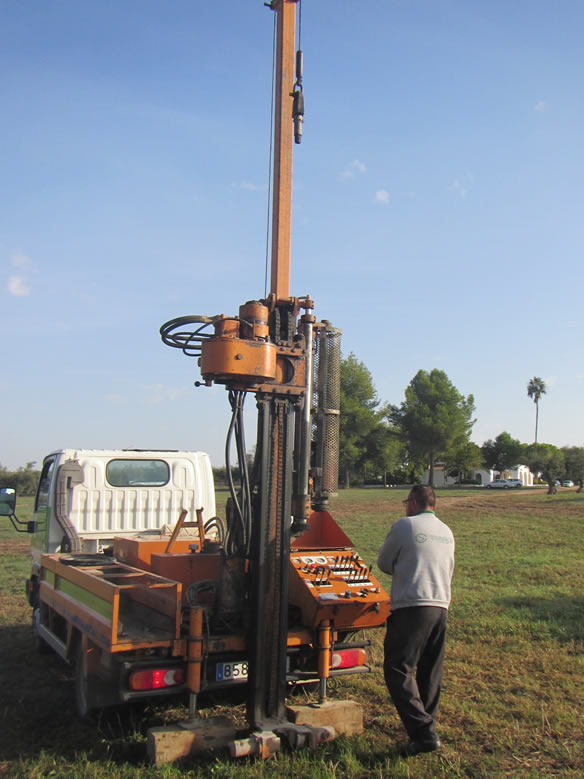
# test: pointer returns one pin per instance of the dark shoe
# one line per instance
(416, 747)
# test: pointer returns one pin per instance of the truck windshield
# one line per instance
(137, 473)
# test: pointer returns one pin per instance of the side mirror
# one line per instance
(7, 501)
(7, 508)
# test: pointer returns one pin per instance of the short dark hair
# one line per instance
(424, 496)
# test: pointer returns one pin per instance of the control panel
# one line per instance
(336, 585)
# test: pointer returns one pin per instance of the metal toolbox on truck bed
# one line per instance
(117, 606)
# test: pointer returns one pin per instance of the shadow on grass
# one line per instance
(563, 617)
(38, 715)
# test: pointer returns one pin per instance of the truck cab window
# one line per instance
(137, 473)
(42, 496)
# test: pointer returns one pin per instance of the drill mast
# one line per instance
(282, 172)
(269, 350)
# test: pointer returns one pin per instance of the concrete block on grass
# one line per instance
(166, 744)
(346, 717)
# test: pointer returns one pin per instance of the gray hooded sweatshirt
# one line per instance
(418, 552)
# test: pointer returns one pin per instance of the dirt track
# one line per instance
(16, 546)
(533, 502)
(528, 502)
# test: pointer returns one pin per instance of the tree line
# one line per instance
(24, 480)
(397, 444)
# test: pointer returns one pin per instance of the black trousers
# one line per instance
(414, 644)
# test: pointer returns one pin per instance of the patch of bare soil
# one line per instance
(518, 502)
(15, 546)
(533, 502)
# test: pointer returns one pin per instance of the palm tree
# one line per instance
(535, 389)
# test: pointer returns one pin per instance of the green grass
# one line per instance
(514, 673)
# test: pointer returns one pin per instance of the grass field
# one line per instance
(514, 674)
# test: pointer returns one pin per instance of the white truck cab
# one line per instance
(86, 497)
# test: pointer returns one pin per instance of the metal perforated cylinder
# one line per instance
(326, 411)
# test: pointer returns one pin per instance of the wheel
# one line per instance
(38, 643)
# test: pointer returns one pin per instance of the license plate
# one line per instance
(230, 672)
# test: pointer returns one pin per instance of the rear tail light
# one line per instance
(156, 678)
(348, 658)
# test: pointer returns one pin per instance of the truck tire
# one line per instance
(38, 643)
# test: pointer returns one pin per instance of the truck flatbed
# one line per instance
(118, 606)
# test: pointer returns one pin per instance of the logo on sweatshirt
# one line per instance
(421, 538)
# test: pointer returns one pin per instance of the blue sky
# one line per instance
(437, 210)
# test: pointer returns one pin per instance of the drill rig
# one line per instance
(303, 583)
(274, 595)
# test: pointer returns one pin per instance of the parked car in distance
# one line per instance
(567, 483)
(503, 484)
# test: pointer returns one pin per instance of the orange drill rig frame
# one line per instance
(299, 566)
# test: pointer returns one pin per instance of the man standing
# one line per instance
(418, 552)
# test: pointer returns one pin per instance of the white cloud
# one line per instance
(115, 399)
(18, 287)
(19, 260)
(161, 393)
(541, 106)
(355, 167)
(461, 185)
(248, 186)
(459, 188)
(381, 196)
